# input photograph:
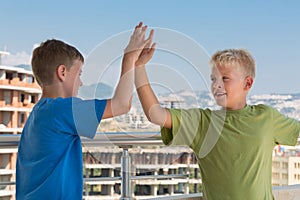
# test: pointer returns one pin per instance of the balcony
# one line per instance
(125, 179)
(17, 84)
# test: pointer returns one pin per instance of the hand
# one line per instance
(138, 42)
(145, 55)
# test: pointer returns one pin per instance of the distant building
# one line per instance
(286, 166)
(172, 101)
(286, 171)
(105, 163)
(18, 94)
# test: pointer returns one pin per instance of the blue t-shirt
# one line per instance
(49, 163)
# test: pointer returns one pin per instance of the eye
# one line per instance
(213, 79)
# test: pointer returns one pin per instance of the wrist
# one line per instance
(130, 56)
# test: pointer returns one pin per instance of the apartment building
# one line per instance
(19, 92)
(286, 170)
(104, 165)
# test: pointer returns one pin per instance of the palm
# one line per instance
(145, 56)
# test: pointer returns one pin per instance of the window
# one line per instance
(33, 99)
(284, 165)
(276, 164)
(9, 76)
(22, 77)
(21, 119)
(275, 175)
(22, 97)
(7, 97)
(30, 79)
(285, 176)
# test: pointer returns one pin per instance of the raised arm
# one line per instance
(151, 106)
(120, 103)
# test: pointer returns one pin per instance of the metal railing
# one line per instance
(122, 140)
(130, 140)
(126, 141)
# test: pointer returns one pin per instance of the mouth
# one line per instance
(219, 94)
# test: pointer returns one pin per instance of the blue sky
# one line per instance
(269, 29)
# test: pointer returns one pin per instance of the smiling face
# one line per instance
(230, 86)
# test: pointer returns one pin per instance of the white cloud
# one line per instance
(16, 59)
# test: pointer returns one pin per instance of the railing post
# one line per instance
(126, 174)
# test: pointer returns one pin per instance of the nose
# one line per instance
(217, 84)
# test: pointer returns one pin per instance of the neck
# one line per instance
(53, 91)
(236, 107)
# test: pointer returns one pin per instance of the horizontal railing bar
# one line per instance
(195, 196)
(116, 178)
(106, 139)
(119, 178)
(287, 187)
(160, 176)
(8, 183)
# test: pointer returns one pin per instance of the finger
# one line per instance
(153, 46)
(148, 44)
(150, 35)
(138, 28)
(143, 31)
(139, 25)
(144, 28)
(152, 49)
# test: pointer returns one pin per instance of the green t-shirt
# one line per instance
(233, 148)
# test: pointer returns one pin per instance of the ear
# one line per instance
(248, 82)
(61, 72)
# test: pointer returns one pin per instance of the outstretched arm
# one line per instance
(151, 106)
(120, 103)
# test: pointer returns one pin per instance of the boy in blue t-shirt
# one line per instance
(49, 163)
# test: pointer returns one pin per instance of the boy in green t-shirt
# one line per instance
(233, 145)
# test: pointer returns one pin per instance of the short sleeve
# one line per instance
(185, 126)
(77, 116)
(286, 130)
(87, 115)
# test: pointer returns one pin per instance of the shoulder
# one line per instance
(54, 101)
(192, 111)
(72, 101)
(261, 108)
(190, 115)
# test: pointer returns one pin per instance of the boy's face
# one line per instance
(230, 87)
(73, 80)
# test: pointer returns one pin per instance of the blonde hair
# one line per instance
(230, 57)
(48, 56)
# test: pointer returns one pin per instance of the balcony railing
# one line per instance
(131, 140)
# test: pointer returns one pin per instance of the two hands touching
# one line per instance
(143, 52)
(136, 55)
(140, 49)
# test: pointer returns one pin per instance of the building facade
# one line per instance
(18, 94)
(286, 170)
(102, 172)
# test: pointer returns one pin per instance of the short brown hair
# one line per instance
(235, 56)
(48, 56)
